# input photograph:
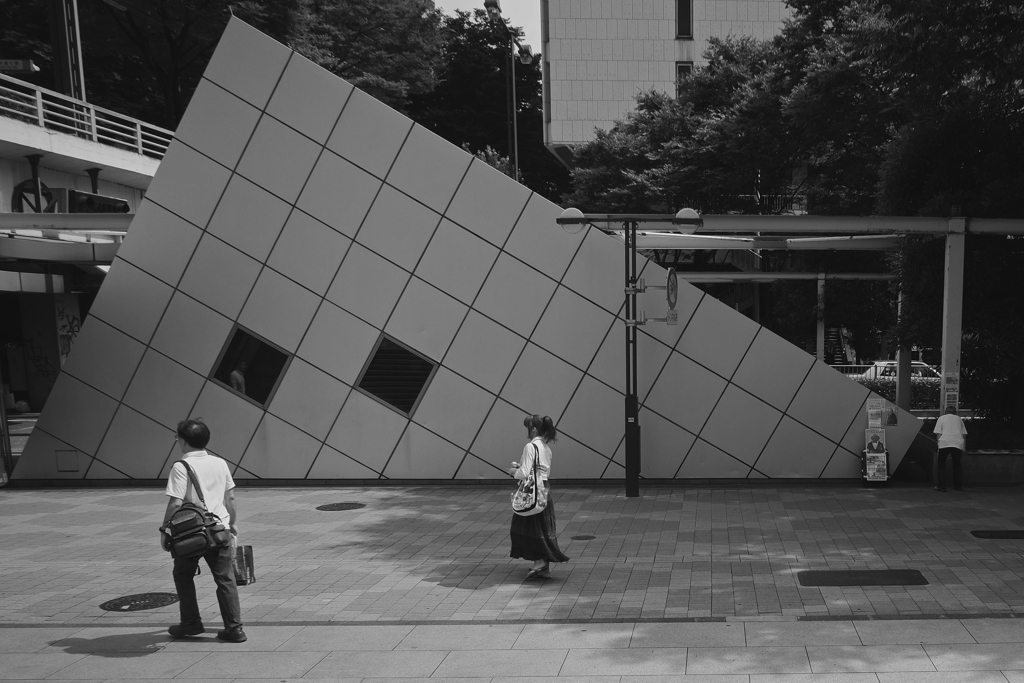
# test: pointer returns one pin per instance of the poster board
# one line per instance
(876, 459)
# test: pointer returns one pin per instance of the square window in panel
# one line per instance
(250, 366)
(396, 375)
(488, 203)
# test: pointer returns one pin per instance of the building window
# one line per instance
(684, 18)
(683, 69)
(396, 375)
(250, 366)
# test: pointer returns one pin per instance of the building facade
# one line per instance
(600, 54)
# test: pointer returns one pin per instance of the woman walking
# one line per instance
(534, 537)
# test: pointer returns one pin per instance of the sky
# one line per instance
(523, 13)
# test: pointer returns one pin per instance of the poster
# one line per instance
(881, 413)
(874, 441)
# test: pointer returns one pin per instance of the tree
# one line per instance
(468, 105)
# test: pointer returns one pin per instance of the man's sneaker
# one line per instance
(181, 630)
(232, 635)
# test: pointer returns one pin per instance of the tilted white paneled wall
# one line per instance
(318, 218)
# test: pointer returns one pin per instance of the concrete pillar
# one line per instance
(903, 380)
(952, 312)
(820, 347)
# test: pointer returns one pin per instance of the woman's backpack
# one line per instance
(193, 530)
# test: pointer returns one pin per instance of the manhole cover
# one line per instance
(862, 577)
(583, 537)
(999, 533)
(331, 507)
(133, 603)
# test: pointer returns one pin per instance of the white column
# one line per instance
(952, 312)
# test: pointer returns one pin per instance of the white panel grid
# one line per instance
(429, 168)
(367, 431)
(218, 123)
(246, 63)
(104, 358)
(588, 417)
(309, 98)
(278, 159)
(515, 295)
(369, 133)
(541, 383)
(704, 461)
(502, 436)
(398, 227)
(330, 464)
(653, 303)
(685, 393)
(249, 218)
(309, 399)
(232, 421)
(408, 461)
(795, 452)
(309, 252)
(279, 310)
(188, 184)
(367, 285)
(77, 414)
(338, 193)
(38, 459)
(279, 451)
(453, 407)
(760, 374)
(130, 443)
(474, 468)
(664, 446)
(488, 203)
(159, 242)
(844, 465)
(220, 276)
(572, 459)
(333, 329)
(131, 300)
(596, 272)
(827, 401)
(176, 336)
(740, 424)
(484, 351)
(426, 319)
(537, 240)
(717, 337)
(456, 261)
(163, 390)
(572, 328)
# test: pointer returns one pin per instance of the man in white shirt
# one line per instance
(217, 486)
(951, 432)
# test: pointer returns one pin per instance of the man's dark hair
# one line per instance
(194, 433)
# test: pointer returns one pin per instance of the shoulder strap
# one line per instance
(536, 457)
(195, 483)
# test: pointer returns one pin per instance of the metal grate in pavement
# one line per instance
(998, 533)
(133, 603)
(862, 577)
(333, 507)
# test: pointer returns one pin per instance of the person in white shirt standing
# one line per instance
(218, 491)
(951, 432)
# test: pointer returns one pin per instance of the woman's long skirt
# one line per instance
(534, 537)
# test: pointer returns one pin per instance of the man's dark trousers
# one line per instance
(940, 468)
(219, 561)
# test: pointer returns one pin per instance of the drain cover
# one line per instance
(331, 507)
(862, 577)
(583, 537)
(998, 533)
(133, 603)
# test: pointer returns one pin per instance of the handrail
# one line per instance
(54, 111)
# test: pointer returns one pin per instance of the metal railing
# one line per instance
(54, 111)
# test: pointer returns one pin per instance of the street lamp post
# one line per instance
(525, 55)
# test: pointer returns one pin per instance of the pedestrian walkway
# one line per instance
(698, 581)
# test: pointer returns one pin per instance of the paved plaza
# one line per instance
(683, 584)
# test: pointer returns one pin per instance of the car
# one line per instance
(887, 368)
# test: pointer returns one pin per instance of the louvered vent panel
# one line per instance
(396, 376)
